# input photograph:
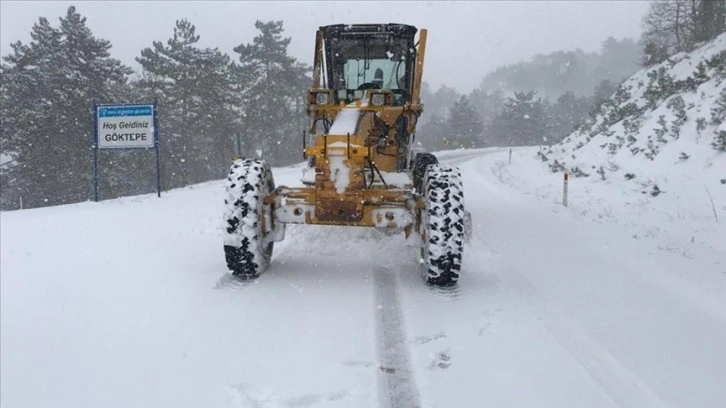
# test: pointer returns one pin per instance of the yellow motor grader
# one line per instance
(362, 171)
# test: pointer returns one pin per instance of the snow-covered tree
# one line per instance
(199, 105)
(465, 128)
(433, 131)
(523, 122)
(487, 104)
(274, 95)
(431, 135)
(603, 91)
(565, 114)
(48, 87)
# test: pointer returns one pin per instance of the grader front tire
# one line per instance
(443, 225)
(246, 251)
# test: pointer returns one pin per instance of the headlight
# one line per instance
(378, 99)
(322, 98)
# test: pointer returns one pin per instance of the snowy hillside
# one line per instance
(679, 102)
(657, 150)
(126, 303)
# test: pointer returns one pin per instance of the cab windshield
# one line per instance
(354, 67)
(359, 62)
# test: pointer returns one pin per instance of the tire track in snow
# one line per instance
(396, 383)
(619, 383)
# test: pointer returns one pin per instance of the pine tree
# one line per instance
(273, 96)
(568, 112)
(432, 131)
(602, 93)
(487, 104)
(441, 101)
(654, 53)
(465, 125)
(432, 135)
(198, 100)
(48, 87)
(523, 122)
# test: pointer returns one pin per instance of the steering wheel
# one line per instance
(368, 85)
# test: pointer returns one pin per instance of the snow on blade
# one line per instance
(345, 145)
(400, 180)
(339, 172)
(345, 122)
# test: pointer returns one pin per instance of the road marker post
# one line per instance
(564, 189)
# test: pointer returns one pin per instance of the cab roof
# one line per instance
(395, 29)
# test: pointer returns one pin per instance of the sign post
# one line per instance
(126, 126)
(95, 152)
(156, 143)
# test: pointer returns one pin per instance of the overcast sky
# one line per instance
(466, 39)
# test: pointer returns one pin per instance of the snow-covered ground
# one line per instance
(653, 148)
(617, 300)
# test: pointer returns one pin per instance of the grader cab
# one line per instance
(363, 107)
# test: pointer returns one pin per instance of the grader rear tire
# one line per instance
(420, 163)
(442, 225)
(246, 251)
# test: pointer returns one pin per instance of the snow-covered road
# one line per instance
(125, 303)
